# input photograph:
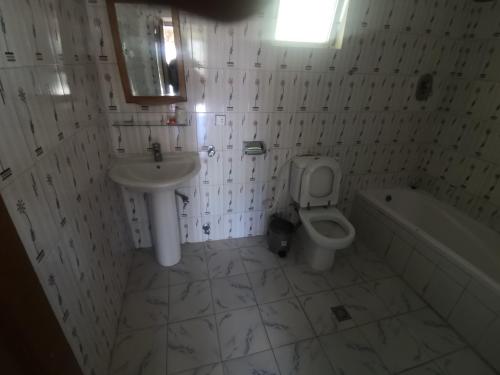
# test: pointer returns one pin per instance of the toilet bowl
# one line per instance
(315, 185)
(324, 231)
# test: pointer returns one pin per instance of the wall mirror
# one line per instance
(148, 50)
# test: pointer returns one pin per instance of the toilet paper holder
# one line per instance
(254, 147)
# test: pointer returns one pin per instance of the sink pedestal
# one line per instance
(159, 179)
(165, 227)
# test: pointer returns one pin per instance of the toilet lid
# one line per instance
(320, 183)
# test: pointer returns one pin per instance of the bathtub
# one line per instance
(449, 259)
(466, 242)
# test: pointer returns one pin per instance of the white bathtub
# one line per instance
(473, 246)
(450, 260)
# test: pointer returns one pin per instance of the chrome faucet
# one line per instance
(157, 152)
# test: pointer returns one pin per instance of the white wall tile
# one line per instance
(490, 344)
(54, 153)
(418, 272)
(398, 254)
(471, 318)
(285, 96)
(442, 292)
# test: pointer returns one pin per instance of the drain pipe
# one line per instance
(184, 197)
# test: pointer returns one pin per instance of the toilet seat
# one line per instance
(332, 214)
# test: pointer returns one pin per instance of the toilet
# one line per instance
(314, 185)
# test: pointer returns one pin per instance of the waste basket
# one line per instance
(279, 234)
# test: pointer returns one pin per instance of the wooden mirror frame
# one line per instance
(122, 66)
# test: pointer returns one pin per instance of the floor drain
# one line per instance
(341, 313)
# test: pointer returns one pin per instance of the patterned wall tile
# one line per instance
(54, 152)
(356, 103)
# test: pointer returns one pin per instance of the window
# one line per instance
(311, 22)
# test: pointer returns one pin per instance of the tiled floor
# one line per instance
(233, 308)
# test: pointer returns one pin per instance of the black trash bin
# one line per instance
(279, 234)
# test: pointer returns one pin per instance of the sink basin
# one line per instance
(159, 180)
(143, 174)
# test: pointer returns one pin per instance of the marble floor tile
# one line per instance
(394, 344)
(251, 241)
(318, 308)
(434, 335)
(342, 274)
(241, 333)
(303, 358)
(140, 352)
(370, 266)
(224, 263)
(294, 257)
(144, 309)
(232, 293)
(258, 258)
(350, 353)
(362, 304)
(190, 300)
(191, 344)
(270, 285)
(463, 362)
(305, 280)
(146, 273)
(397, 296)
(285, 322)
(213, 369)
(200, 317)
(262, 363)
(351, 249)
(193, 248)
(359, 248)
(228, 244)
(192, 267)
(429, 368)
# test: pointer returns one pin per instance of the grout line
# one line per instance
(213, 303)
(258, 308)
(267, 334)
(166, 344)
(295, 295)
(281, 266)
(150, 289)
(448, 325)
(431, 361)
(316, 336)
(358, 326)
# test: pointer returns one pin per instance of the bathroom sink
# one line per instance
(141, 173)
(158, 179)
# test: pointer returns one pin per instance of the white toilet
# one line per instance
(314, 185)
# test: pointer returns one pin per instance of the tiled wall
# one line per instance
(356, 103)
(54, 152)
(461, 163)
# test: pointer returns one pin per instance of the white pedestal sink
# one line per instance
(159, 180)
